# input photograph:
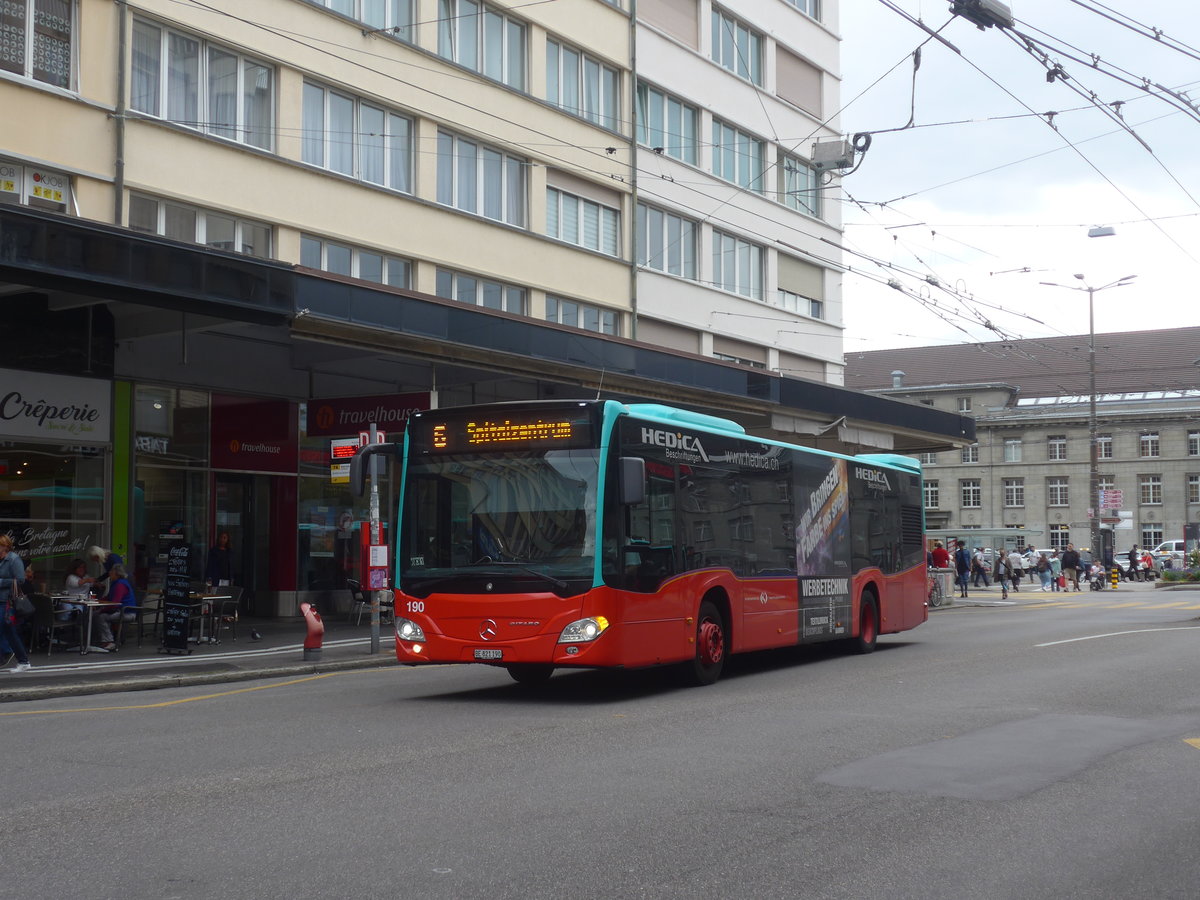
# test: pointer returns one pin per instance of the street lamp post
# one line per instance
(1094, 450)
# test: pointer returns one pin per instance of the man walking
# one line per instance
(962, 565)
(1071, 564)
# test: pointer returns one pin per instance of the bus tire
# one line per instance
(712, 644)
(868, 624)
(530, 673)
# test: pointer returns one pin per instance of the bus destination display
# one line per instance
(569, 431)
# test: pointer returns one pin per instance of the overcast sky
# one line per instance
(1006, 191)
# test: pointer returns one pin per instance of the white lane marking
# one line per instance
(167, 660)
(1092, 637)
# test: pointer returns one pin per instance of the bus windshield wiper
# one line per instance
(488, 561)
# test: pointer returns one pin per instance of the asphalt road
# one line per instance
(1023, 752)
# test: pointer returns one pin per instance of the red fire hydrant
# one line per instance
(316, 632)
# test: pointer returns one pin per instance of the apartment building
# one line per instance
(232, 232)
(1030, 466)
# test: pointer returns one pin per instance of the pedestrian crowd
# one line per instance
(1050, 570)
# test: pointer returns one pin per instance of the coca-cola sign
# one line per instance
(54, 407)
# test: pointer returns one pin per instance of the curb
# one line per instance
(186, 679)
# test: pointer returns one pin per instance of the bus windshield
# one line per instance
(527, 513)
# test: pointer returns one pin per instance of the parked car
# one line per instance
(1169, 555)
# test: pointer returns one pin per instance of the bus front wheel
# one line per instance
(711, 644)
(868, 624)
(530, 673)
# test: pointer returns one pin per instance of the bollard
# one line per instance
(1114, 575)
(316, 632)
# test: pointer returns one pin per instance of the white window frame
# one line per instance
(667, 242)
(466, 36)
(394, 17)
(1193, 443)
(1014, 493)
(394, 270)
(736, 46)
(800, 185)
(476, 289)
(970, 453)
(811, 8)
(1193, 489)
(738, 265)
(971, 493)
(1060, 536)
(583, 222)
(583, 316)
(667, 124)
(1056, 447)
(465, 179)
(37, 36)
(1152, 535)
(737, 156)
(1012, 450)
(243, 228)
(1150, 490)
(932, 495)
(154, 93)
(1058, 491)
(373, 156)
(593, 85)
(1104, 446)
(798, 303)
(1148, 445)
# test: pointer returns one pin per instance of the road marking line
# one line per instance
(1168, 605)
(1093, 637)
(1195, 742)
(166, 703)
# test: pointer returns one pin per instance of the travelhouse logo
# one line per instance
(236, 446)
(678, 446)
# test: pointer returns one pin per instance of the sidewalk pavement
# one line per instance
(1031, 592)
(278, 653)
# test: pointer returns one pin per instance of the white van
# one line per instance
(1169, 550)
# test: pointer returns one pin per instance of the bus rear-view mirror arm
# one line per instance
(359, 470)
(631, 476)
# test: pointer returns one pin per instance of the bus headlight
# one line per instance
(583, 630)
(408, 630)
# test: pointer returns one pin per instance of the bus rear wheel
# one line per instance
(868, 624)
(530, 673)
(711, 644)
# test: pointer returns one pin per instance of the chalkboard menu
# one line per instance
(177, 605)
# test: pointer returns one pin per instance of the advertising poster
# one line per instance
(823, 548)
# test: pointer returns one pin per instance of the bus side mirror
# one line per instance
(631, 480)
(359, 467)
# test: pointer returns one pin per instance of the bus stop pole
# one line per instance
(376, 540)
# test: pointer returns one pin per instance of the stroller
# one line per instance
(1097, 580)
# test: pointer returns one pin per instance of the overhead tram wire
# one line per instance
(1147, 31)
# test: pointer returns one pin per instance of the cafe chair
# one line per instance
(138, 621)
(45, 622)
(225, 614)
(361, 602)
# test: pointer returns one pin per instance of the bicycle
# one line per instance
(935, 595)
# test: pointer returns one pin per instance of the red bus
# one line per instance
(539, 535)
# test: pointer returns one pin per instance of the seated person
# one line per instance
(78, 584)
(121, 595)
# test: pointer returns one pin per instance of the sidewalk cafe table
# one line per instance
(90, 604)
(205, 607)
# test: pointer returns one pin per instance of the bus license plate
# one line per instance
(489, 654)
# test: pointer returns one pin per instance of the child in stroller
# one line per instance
(1096, 577)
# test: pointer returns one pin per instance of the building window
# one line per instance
(483, 39)
(964, 404)
(666, 124)
(1056, 447)
(932, 498)
(355, 262)
(1193, 489)
(581, 85)
(1104, 446)
(188, 81)
(36, 39)
(1193, 443)
(1103, 483)
(737, 157)
(970, 454)
(582, 222)
(1012, 450)
(355, 138)
(927, 459)
(1150, 490)
(581, 315)
(972, 496)
(478, 179)
(199, 226)
(1152, 535)
(800, 187)
(811, 8)
(1014, 492)
(798, 303)
(393, 16)
(736, 47)
(1149, 444)
(1060, 536)
(666, 242)
(480, 292)
(1056, 491)
(737, 265)
(33, 185)
(742, 528)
